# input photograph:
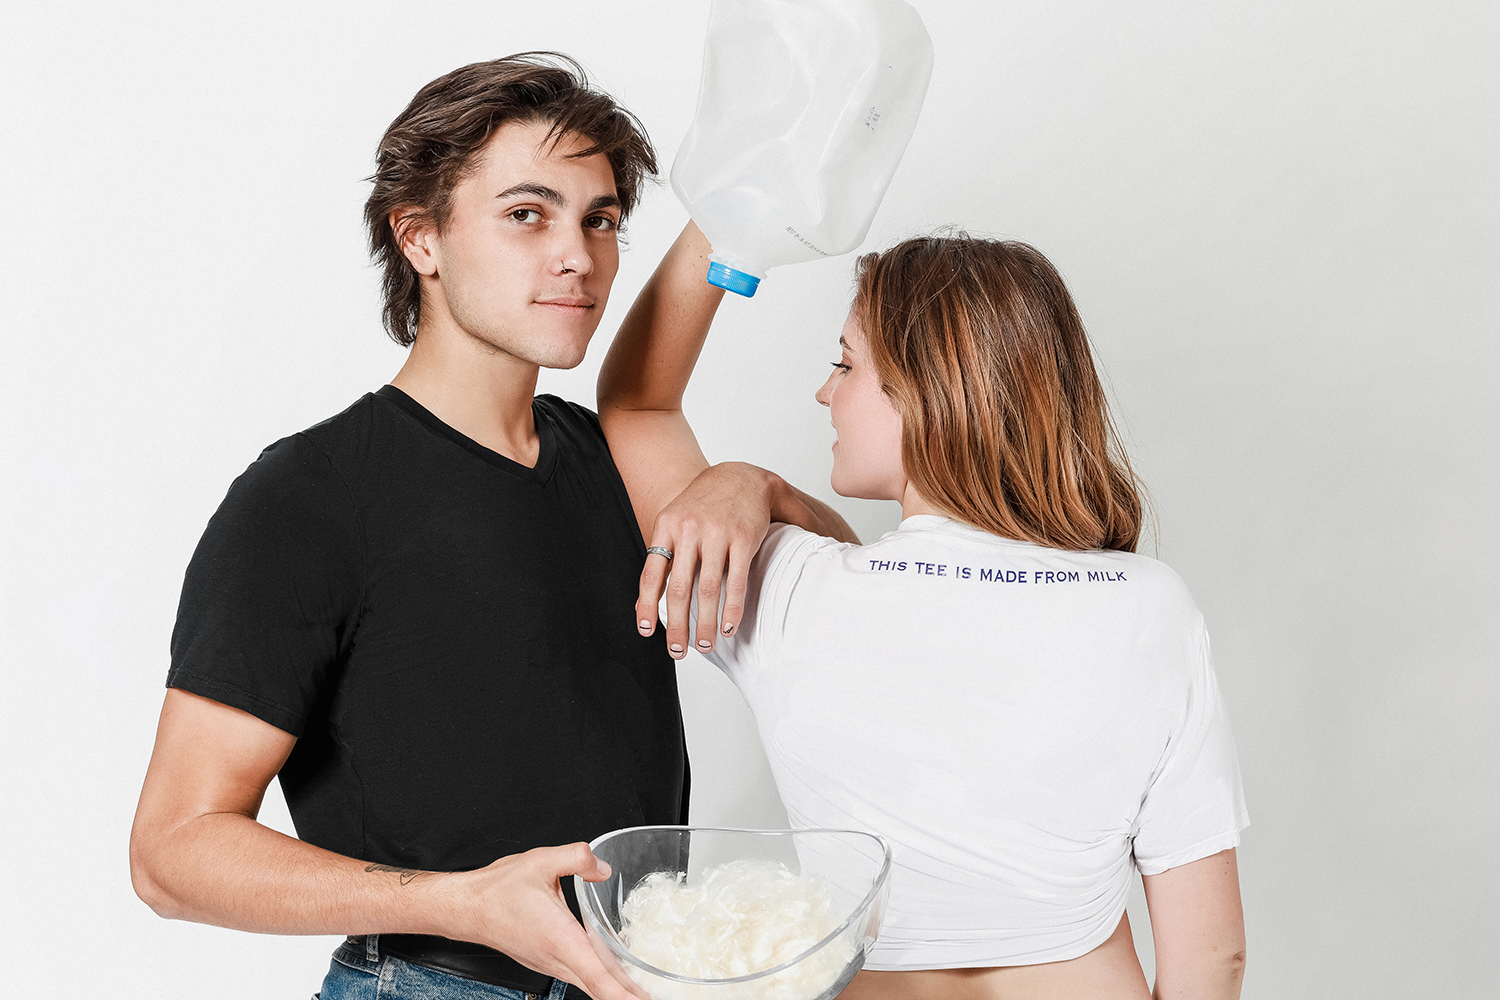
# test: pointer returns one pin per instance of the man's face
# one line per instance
(525, 261)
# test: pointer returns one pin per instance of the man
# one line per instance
(419, 612)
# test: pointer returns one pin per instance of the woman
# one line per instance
(1024, 707)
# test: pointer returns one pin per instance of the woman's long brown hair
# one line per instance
(1005, 425)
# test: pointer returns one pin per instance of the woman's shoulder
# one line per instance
(788, 542)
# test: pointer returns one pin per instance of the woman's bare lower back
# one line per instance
(1109, 972)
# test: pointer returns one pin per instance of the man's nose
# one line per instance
(571, 251)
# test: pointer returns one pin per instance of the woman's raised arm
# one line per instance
(712, 519)
(646, 371)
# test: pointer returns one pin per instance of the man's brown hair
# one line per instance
(1004, 424)
(436, 142)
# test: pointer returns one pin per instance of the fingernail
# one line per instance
(729, 630)
(644, 625)
(705, 644)
(676, 648)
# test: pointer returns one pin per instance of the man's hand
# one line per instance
(516, 905)
(713, 529)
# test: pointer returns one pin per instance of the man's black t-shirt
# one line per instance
(449, 634)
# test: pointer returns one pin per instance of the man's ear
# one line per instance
(416, 238)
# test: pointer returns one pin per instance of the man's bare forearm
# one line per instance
(229, 870)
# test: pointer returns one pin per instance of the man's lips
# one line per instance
(567, 303)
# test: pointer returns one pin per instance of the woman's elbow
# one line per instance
(1223, 969)
(1222, 974)
(1233, 966)
(146, 860)
(1215, 973)
(1237, 966)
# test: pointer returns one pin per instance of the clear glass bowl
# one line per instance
(854, 865)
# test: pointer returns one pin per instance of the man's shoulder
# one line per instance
(577, 427)
(570, 414)
(318, 458)
(367, 417)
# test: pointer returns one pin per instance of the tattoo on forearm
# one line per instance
(407, 874)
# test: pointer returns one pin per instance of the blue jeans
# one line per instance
(359, 972)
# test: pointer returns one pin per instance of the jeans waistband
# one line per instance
(467, 960)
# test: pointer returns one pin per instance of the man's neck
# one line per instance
(480, 392)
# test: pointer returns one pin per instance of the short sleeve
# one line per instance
(272, 593)
(1195, 805)
(774, 573)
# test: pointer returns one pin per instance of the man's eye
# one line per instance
(526, 215)
(600, 222)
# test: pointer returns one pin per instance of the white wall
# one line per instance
(1278, 216)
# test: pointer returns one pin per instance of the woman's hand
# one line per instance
(713, 529)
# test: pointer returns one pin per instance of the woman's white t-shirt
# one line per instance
(1025, 725)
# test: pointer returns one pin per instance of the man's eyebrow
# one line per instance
(541, 191)
(604, 201)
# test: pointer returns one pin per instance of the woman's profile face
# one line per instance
(867, 453)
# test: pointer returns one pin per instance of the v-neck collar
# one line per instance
(546, 458)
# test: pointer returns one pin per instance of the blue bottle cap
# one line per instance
(731, 280)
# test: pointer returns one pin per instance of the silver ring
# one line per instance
(659, 550)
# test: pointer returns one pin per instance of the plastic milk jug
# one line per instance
(804, 110)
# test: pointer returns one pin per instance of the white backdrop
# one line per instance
(1279, 218)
